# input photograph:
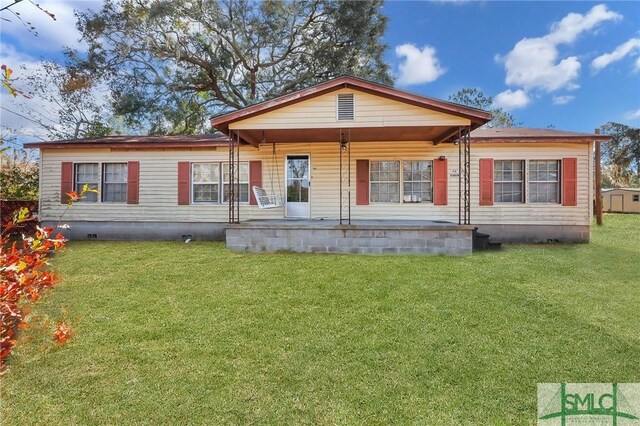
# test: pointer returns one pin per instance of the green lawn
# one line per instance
(173, 333)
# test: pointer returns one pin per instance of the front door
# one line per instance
(297, 186)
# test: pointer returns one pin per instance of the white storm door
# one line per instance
(297, 186)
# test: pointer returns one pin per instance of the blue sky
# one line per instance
(574, 65)
(482, 45)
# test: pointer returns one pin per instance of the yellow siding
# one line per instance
(158, 188)
(370, 111)
(158, 184)
(538, 214)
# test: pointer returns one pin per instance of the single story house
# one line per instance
(621, 200)
(344, 166)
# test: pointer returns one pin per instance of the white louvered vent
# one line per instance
(346, 106)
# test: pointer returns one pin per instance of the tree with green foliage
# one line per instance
(169, 59)
(475, 98)
(18, 176)
(621, 156)
(80, 108)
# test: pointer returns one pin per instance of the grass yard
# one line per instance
(173, 333)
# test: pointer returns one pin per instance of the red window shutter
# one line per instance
(362, 182)
(133, 182)
(184, 178)
(569, 181)
(440, 174)
(66, 181)
(255, 179)
(486, 181)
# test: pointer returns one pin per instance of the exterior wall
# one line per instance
(526, 213)
(158, 184)
(370, 111)
(158, 188)
(620, 201)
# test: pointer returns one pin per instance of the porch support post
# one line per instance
(232, 140)
(467, 166)
(459, 176)
(234, 178)
(464, 175)
(340, 174)
(345, 177)
(349, 173)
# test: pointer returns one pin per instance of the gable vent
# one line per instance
(346, 106)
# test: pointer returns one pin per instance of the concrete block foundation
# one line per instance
(366, 237)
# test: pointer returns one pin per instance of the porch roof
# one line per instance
(436, 133)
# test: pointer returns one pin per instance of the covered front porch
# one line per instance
(347, 146)
(360, 237)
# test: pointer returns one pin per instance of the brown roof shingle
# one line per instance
(135, 141)
(528, 134)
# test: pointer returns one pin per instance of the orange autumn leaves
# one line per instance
(25, 274)
(63, 333)
(74, 196)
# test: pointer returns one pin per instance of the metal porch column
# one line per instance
(234, 178)
(464, 175)
(345, 177)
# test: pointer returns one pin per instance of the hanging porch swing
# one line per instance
(264, 199)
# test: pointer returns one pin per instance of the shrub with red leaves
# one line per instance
(25, 274)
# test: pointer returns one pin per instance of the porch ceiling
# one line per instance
(436, 134)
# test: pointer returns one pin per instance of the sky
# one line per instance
(571, 65)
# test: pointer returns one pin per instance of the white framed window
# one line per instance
(544, 181)
(417, 186)
(205, 182)
(244, 182)
(384, 181)
(508, 181)
(87, 174)
(114, 182)
(636, 197)
(210, 182)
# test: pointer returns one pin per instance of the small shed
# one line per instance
(621, 200)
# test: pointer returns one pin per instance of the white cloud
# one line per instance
(534, 63)
(572, 25)
(510, 99)
(562, 100)
(418, 66)
(633, 115)
(629, 47)
(53, 35)
(637, 65)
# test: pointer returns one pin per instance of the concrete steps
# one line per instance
(482, 241)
